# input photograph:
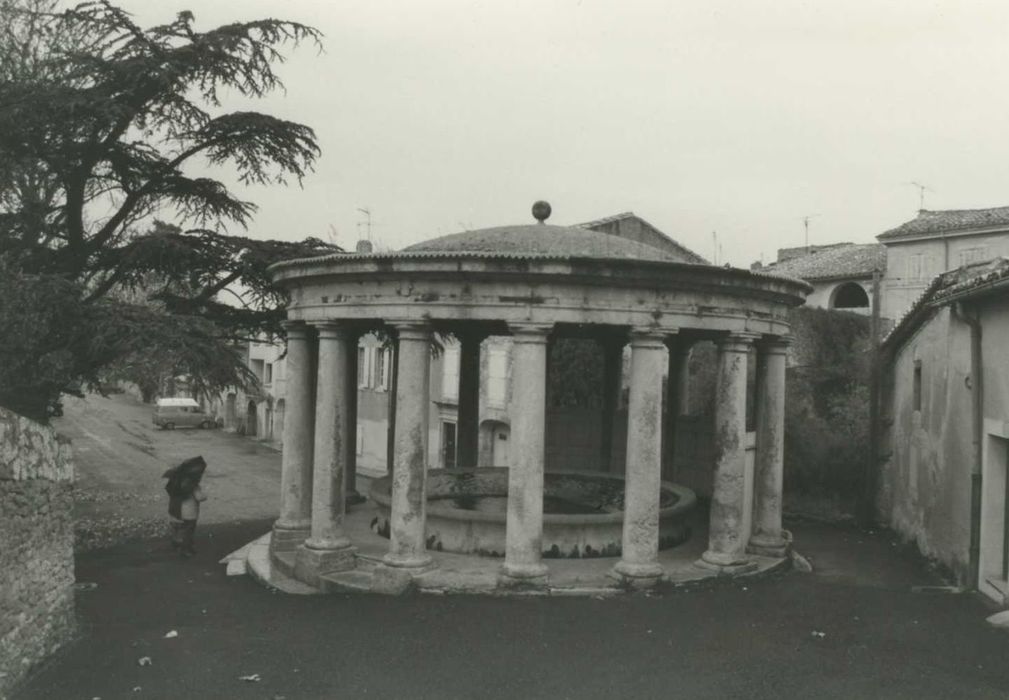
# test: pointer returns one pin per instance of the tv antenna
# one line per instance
(921, 193)
(367, 222)
(805, 226)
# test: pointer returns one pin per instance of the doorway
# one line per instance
(993, 577)
(251, 419)
(448, 453)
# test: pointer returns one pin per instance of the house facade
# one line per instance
(841, 273)
(945, 409)
(935, 242)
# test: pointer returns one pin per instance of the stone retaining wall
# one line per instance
(36, 546)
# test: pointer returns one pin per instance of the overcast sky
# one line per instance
(700, 116)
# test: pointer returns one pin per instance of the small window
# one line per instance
(269, 373)
(917, 385)
(916, 267)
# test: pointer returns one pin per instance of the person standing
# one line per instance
(190, 512)
(184, 498)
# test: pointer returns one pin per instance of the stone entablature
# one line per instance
(507, 288)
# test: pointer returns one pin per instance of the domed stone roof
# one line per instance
(545, 240)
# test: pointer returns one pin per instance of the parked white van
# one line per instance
(180, 413)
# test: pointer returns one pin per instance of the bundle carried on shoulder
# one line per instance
(182, 481)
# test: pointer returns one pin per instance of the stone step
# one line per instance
(354, 581)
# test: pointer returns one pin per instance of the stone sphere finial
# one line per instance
(541, 211)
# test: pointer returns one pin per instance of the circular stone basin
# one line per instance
(582, 512)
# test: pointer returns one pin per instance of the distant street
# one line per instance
(120, 456)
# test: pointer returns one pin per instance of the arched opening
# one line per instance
(250, 419)
(278, 420)
(850, 295)
(230, 411)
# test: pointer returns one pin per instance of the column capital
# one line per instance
(648, 338)
(412, 330)
(737, 341)
(530, 332)
(298, 330)
(335, 330)
(775, 345)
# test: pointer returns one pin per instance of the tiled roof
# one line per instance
(833, 262)
(682, 251)
(544, 239)
(519, 256)
(608, 219)
(948, 220)
(948, 287)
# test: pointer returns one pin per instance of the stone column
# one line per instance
(468, 425)
(726, 548)
(639, 563)
(677, 399)
(768, 538)
(409, 470)
(353, 496)
(390, 431)
(294, 523)
(523, 565)
(328, 549)
(613, 364)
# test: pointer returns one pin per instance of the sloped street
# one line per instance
(120, 456)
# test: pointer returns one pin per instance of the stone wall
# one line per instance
(36, 546)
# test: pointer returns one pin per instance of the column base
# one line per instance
(288, 539)
(310, 565)
(778, 549)
(636, 576)
(326, 545)
(417, 563)
(523, 576)
(771, 545)
(725, 564)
